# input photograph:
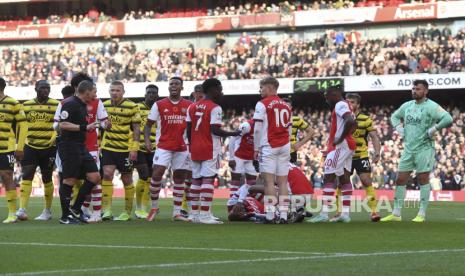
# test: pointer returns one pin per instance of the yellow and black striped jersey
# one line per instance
(39, 117)
(144, 113)
(11, 114)
(297, 124)
(364, 126)
(122, 116)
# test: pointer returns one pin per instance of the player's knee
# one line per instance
(126, 178)
(94, 178)
(143, 172)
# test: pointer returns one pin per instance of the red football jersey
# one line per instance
(337, 125)
(298, 182)
(202, 114)
(95, 111)
(245, 149)
(171, 123)
(276, 116)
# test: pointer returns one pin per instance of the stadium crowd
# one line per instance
(222, 8)
(449, 173)
(335, 53)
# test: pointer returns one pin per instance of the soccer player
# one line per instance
(340, 149)
(119, 149)
(271, 138)
(76, 159)
(40, 149)
(11, 114)
(360, 161)
(417, 121)
(170, 116)
(145, 158)
(241, 157)
(204, 131)
(298, 124)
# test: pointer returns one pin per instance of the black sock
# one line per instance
(65, 192)
(84, 191)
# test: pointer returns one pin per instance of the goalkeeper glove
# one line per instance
(400, 130)
(432, 131)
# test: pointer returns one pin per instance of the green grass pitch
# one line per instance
(163, 247)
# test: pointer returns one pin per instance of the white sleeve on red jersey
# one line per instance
(188, 116)
(216, 117)
(154, 114)
(342, 108)
(260, 112)
(102, 114)
(56, 117)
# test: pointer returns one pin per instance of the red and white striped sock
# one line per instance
(346, 198)
(155, 187)
(206, 195)
(96, 196)
(328, 198)
(194, 194)
(178, 191)
(233, 187)
(187, 187)
(86, 203)
(270, 206)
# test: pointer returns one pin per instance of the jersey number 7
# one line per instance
(199, 116)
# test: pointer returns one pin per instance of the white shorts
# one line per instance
(177, 160)
(339, 159)
(244, 166)
(94, 154)
(275, 160)
(207, 168)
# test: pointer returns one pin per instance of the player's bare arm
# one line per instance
(147, 133)
(136, 138)
(309, 132)
(376, 145)
(67, 126)
(218, 131)
(349, 124)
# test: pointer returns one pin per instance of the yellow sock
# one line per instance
(184, 202)
(107, 194)
(339, 200)
(140, 185)
(76, 188)
(146, 195)
(11, 200)
(129, 197)
(48, 193)
(371, 195)
(25, 193)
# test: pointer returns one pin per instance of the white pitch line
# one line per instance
(170, 265)
(162, 247)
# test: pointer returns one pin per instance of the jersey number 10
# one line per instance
(281, 117)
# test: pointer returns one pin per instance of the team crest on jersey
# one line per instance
(64, 115)
(175, 109)
(90, 108)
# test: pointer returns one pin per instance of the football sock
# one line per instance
(65, 198)
(424, 199)
(107, 194)
(155, 187)
(96, 196)
(146, 194)
(84, 191)
(25, 193)
(371, 197)
(234, 186)
(328, 197)
(206, 195)
(76, 188)
(11, 201)
(194, 194)
(178, 192)
(284, 203)
(339, 200)
(346, 198)
(398, 200)
(270, 208)
(186, 200)
(129, 191)
(48, 193)
(140, 185)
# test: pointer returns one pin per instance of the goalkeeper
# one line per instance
(417, 121)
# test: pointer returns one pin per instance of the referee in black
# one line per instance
(77, 163)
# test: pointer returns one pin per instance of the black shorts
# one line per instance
(7, 161)
(43, 158)
(293, 157)
(361, 165)
(118, 159)
(145, 158)
(76, 161)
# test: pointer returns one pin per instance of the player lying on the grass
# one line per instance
(247, 202)
(338, 163)
(417, 121)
